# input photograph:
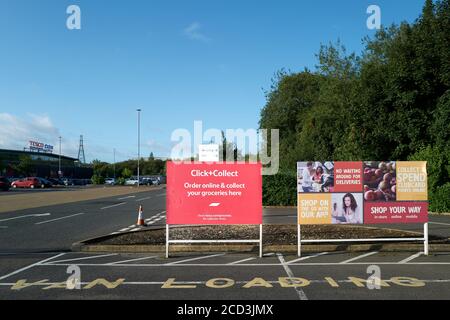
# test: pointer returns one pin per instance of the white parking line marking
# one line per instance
(198, 258)
(243, 260)
(256, 264)
(359, 257)
(124, 229)
(26, 216)
(307, 257)
(161, 195)
(66, 217)
(418, 254)
(142, 199)
(114, 205)
(138, 259)
(126, 197)
(135, 229)
(31, 266)
(84, 258)
(300, 292)
(444, 224)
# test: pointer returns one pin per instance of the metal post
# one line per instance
(299, 240)
(167, 241)
(260, 241)
(139, 143)
(114, 165)
(425, 238)
(59, 161)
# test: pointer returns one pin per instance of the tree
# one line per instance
(100, 168)
(25, 166)
(127, 173)
(390, 102)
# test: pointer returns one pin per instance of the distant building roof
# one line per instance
(34, 153)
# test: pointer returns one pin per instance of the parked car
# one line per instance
(67, 182)
(150, 181)
(30, 182)
(4, 184)
(110, 181)
(78, 182)
(56, 182)
(45, 183)
(11, 180)
(132, 182)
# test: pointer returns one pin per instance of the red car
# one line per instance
(30, 182)
(4, 184)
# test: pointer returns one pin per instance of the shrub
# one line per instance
(280, 189)
(437, 165)
(96, 179)
(120, 181)
(440, 199)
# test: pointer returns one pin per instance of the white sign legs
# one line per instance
(258, 241)
(167, 241)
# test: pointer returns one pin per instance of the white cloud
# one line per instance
(158, 148)
(15, 133)
(193, 32)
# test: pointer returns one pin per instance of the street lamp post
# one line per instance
(139, 144)
(59, 162)
(114, 164)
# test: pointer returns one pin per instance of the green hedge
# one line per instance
(440, 199)
(280, 189)
(96, 179)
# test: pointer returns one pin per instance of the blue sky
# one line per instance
(179, 61)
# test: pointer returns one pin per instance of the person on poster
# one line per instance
(338, 215)
(307, 180)
(328, 178)
(351, 210)
(318, 175)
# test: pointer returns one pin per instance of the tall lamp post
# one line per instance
(59, 162)
(114, 164)
(139, 144)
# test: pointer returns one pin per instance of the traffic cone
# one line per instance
(140, 221)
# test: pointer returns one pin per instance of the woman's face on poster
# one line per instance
(347, 201)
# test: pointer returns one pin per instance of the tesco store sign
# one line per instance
(40, 147)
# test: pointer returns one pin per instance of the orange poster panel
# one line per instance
(314, 208)
(412, 181)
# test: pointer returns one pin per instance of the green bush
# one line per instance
(120, 181)
(440, 199)
(96, 179)
(280, 189)
(437, 165)
(127, 173)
